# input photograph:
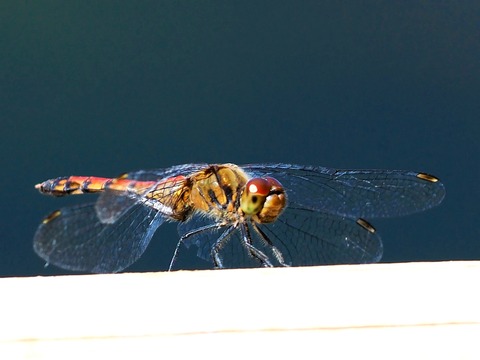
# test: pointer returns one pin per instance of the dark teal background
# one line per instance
(100, 88)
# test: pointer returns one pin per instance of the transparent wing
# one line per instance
(75, 239)
(353, 193)
(158, 174)
(303, 236)
(111, 204)
(349, 193)
(309, 237)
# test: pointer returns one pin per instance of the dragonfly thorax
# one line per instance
(222, 191)
(216, 191)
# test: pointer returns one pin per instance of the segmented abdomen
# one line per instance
(74, 185)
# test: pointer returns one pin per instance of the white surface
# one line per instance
(421, 310)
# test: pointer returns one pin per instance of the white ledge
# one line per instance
(410, 310)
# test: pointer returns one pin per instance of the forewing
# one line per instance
(354, 193)
(75, 239)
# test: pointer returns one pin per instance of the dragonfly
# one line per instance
(256, 215)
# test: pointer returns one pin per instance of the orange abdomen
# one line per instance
(74, 185)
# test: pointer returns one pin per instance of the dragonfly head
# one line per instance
(263, 198)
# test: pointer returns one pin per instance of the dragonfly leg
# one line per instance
(277, 253)
(217, 246)
(257, 254)
(187, 235)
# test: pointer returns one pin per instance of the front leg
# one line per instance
(253, 251)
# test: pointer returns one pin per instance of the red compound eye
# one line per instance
(258, 186)
(274, 183)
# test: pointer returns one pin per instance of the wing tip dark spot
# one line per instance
(366, 225)
(428, 177)
(52, 216)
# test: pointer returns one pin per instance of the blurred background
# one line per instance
(101, 88)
